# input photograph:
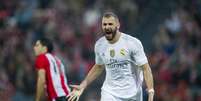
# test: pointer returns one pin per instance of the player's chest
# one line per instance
(120, 53)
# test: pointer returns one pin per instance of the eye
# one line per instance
(104, 24)
(110, 24)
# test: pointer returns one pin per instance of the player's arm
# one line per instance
(91, 76)
(40, 84)
(148, 80)
(96, 70)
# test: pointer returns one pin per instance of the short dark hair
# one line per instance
(48, 43)
(110, 14)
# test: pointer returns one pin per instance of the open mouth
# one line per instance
(108, 32)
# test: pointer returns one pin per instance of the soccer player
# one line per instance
(50, 72)
(125, 62)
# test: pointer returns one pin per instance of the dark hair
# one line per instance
(110, 14)
(48, 43)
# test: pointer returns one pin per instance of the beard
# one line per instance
(110, 33)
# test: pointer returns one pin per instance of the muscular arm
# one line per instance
(148, 80)
(92, 75)
(40, 84)
(148, 76)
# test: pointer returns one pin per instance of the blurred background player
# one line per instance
(50, 72)
(125, 62)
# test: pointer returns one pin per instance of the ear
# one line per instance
(118, 24)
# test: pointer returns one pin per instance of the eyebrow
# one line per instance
(108, 23)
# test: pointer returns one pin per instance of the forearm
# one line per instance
(92, 75)
(148, 77)
(149, 81)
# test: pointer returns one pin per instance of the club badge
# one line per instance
(112, 53)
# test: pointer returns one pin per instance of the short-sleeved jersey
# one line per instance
(122, 61)
(56, 81)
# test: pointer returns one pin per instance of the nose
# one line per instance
(107, 27)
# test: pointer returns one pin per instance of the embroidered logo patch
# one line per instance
(112, 53)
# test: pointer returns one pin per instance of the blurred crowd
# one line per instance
(74, 25)
(176, 59)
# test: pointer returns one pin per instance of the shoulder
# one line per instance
(41, 61)
(41, 58)
(100, 42)
(131, 39)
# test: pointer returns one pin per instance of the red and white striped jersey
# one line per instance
(56, 81)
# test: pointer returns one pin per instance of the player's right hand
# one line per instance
(76, 93)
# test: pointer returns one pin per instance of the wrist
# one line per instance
(151, 91)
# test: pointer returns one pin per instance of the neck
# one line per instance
(116, 38)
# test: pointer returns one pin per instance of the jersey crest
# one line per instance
(112, 53)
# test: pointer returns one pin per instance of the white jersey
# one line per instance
(122, 61)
